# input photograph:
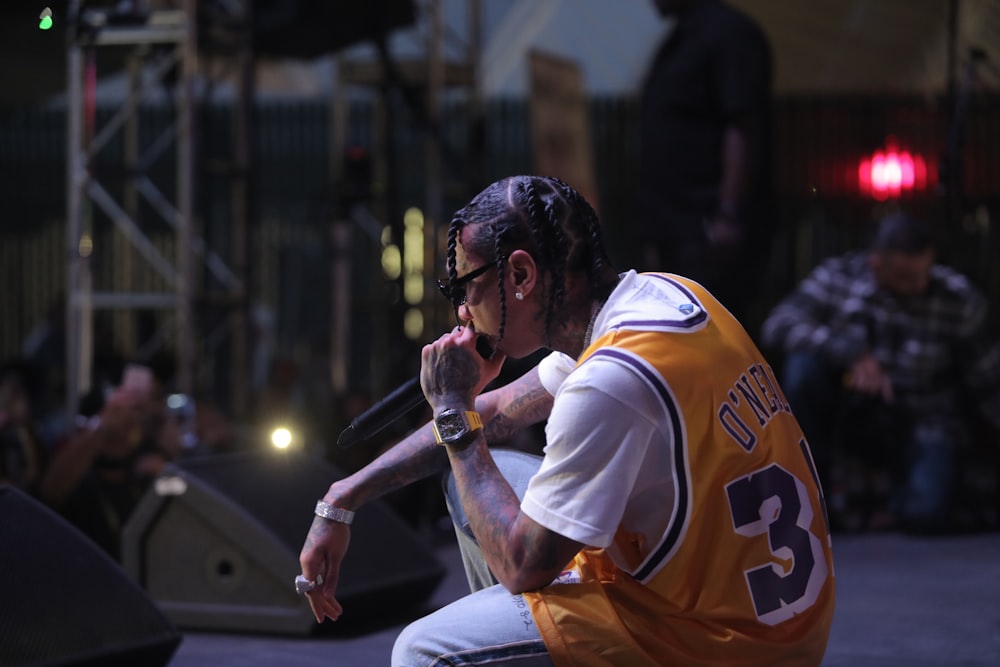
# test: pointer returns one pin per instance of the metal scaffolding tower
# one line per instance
(162, 49)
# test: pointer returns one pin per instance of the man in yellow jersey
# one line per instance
(675, 518)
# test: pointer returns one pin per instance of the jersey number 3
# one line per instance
(774, 502)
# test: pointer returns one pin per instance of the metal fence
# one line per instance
(818, 143)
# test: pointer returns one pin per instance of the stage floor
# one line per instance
(901, 601)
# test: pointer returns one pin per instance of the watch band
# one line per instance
(475, 421)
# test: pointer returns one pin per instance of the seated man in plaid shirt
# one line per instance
(887, 343)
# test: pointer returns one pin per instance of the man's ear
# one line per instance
(523, 271)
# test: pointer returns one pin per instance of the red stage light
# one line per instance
(890, 172)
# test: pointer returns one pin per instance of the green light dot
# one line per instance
(45, 23)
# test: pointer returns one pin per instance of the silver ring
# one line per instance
(303, 585)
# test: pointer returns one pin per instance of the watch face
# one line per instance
(450, 425)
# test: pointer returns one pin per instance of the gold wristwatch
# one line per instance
(453, 426)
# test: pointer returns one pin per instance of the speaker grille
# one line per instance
(222, 554)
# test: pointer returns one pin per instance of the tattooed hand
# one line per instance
(452, 373)
(320, 557)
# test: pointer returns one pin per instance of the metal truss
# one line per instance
(163, 51)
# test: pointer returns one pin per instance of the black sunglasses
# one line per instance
(454, 290)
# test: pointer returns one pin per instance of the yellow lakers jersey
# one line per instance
(743, 575)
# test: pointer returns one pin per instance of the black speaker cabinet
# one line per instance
(63, 601)
(216, 544)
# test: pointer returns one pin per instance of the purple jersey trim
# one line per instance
(676, 525)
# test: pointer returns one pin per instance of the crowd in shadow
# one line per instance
(94, 465)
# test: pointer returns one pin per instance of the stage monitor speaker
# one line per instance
(64, 601)
(216, 541)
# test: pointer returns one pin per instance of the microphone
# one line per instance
(400, 401)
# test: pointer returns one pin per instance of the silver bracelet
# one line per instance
(338, 514)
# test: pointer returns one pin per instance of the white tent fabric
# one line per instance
(820, 46)
(837, 46)
(611, 41)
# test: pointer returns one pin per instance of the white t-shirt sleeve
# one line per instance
(553, 369)
(596, 441)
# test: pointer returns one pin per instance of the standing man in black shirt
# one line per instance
(705, 168)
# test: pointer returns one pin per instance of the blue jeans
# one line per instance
(489, 626)
(921, 452)
(924, 501)
(812, 389)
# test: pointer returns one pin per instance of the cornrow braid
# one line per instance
(558, 268)
(453, 229)
(500, 259)
(598, 254)
(535, 207)
(544, 223)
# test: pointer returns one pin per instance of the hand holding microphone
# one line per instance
(410, 394)
(451, 375)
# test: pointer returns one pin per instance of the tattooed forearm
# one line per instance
(481, 486)
(506, 411)
(522, 554)
(532, 407)
(515, 406)
(414, 458)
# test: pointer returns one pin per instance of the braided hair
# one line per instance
(544, 217)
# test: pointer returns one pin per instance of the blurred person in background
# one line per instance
(705, 201)
(890, 350)
(102, 469)
(23, 456)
